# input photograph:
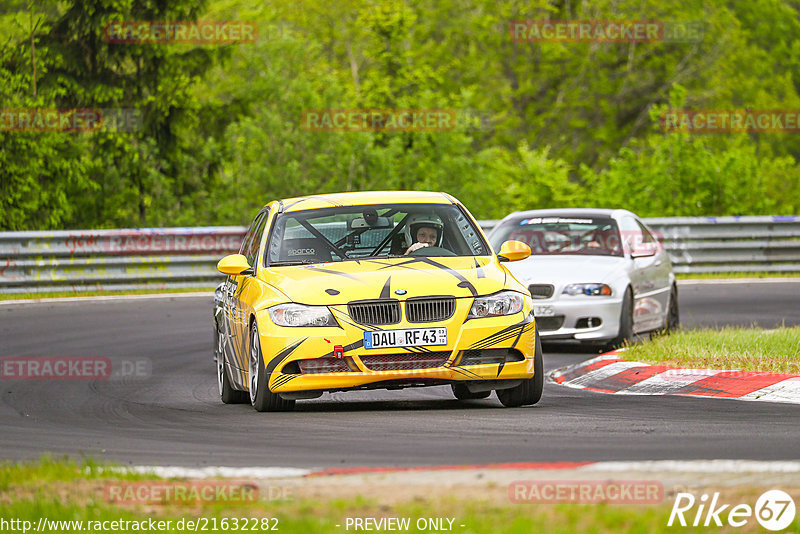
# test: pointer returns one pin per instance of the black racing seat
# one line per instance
(304, 249)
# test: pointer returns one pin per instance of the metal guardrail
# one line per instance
(186, 257)
(731, 244)
(147, 258)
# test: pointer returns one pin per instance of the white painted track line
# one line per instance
(107, 298)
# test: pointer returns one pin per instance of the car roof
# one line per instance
(363, 198)
(570, 212)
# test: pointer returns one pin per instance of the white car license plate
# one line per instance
(543, 311)
(405, 337)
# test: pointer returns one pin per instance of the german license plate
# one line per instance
(405, 337)
(543, 311)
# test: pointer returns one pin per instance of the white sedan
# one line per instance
(596, 275)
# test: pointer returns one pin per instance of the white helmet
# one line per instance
(417, 220)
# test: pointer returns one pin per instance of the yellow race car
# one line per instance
(372, 290)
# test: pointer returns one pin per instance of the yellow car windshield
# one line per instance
(353, 232)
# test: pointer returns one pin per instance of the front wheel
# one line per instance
(262, 399)
(530, 391)
(672, 320)
(625, 334)
(673, 316)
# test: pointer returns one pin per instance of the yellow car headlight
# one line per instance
(502, 303)
(301, 315)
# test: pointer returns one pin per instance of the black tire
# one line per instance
(673, 315)
(625, 334)
(530, 391)
(227, 393)
(262, 399)
(462, 392)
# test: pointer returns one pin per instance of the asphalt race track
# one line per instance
(174, 416)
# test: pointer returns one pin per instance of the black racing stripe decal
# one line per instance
(329, 271)
(497, 338)
(463, 282)
(274, 362)
(380, 262)
(326, 199)
(460, 371)
(491, 339)
(500, 367)
(282, 380)
(416, 350)
(505, 331)
(279, 381)
(355, 345)
(294, 203)
(456, 361)
(387, 287)
(401, 264)
(521, 330)
(466, 284)
(465, 372)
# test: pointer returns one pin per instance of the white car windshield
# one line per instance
(355, 232)
(594, 236)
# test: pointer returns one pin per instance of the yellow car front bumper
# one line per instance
(305, 359)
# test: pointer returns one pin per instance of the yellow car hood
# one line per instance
(340, 282)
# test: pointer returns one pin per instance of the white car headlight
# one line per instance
(592, 290)
(301, 315)
(502, 303)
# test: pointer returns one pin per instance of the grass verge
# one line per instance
(748, 349)
(63, 294)
(74, 495)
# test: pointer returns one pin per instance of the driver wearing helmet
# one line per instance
(423, 230)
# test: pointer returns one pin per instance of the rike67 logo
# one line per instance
(774, 510)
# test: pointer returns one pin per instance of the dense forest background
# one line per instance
(540, 124)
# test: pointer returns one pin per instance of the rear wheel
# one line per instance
(530, 391)
(672, 321)
(462, 392)
(262, 399)
(226, 391)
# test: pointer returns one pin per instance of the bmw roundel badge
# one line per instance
(400, 291)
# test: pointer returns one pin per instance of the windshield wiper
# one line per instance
(292, 262)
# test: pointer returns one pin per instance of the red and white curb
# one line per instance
(609, 374)
(666, 466)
